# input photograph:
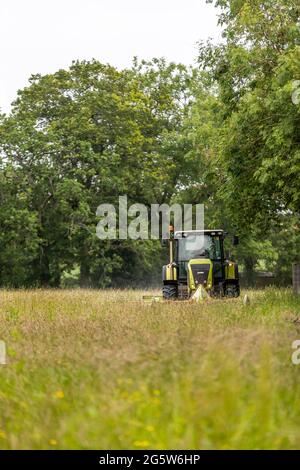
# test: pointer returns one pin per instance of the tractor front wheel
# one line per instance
(170, 292)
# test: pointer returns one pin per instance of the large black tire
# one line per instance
(232, 290)
(170, 292)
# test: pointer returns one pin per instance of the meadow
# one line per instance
(91, 369)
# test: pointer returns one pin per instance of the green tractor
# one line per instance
(198, 264)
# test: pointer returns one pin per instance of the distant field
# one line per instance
(102, 370)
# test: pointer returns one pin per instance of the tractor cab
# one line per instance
(197, 260)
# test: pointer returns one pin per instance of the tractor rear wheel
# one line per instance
(170, 292)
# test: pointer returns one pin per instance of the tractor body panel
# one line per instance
(200, 272)
(170, 273)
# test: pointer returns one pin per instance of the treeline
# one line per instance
(224, 133)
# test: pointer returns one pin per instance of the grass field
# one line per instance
(102, 370)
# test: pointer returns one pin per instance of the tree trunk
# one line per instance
(249, 271)
(85, 278)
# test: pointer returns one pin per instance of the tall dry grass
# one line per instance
(103, 370)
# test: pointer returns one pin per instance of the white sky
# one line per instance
(41, 36)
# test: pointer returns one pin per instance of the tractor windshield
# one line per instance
(194, 246)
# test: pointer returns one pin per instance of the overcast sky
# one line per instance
(41, 36)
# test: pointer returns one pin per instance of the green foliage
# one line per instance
(19, 237)
(257, 145)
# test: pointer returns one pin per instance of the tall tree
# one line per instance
(84, 136)
(255, 70)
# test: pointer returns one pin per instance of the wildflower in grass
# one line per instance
(141, 444)
(156, 393)
(53, 442)
(2, 434)
(150, 428)
(58, 394)
(134, 397)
